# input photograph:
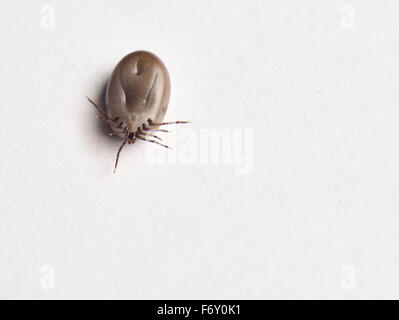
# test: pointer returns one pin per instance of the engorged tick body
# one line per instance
(137, 97)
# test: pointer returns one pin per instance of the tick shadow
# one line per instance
(102, 126)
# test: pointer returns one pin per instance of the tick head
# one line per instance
(131, 138)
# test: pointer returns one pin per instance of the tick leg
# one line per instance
(104, 116)
(119, 152)
(151, 123)
(114, 127)
(154, 136)
(112, 122)
(153, 141)
(139, 131)
(156, 130)
(120, 126)
(108, 121)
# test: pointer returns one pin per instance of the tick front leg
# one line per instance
(119, 151)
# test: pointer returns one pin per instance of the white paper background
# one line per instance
(317, 217)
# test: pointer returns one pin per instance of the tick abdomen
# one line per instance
(138, 90)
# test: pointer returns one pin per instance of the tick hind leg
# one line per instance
(145, 128)
(156, 124)
(142, 132)
(152, 123)
(152, 141)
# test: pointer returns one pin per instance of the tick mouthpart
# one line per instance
(131, 136)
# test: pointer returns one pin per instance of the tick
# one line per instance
(136, 99)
